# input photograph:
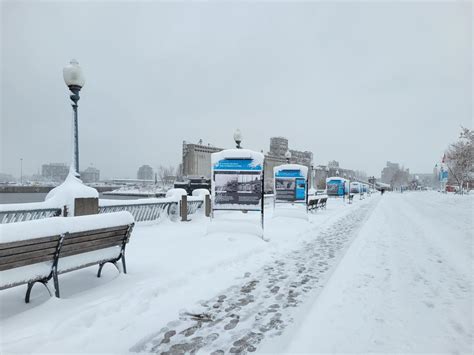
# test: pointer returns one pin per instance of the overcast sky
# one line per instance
(358, 82)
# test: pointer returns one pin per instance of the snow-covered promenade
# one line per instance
(390, 273)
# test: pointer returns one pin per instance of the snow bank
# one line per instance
(70, 189)
(302, 168)
(176, 193)
(140, 201)
(201, 192)
(27, 206)
(336, 178)
(238, 154)
(46, 227)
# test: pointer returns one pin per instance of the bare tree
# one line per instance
(166, 175)
(460, 157)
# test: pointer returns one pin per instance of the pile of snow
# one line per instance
(238, 154)
(68, 191)
(27, 206)
(140, 201)
(46, 227)
(176, 193)
(201, 192)
(336, 178)
(302, 168)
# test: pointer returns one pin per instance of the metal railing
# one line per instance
(28, 215)
(154, 210)
(145, 211)
(194, 205)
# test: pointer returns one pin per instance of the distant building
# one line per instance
(278, 146)
(333, 164)
(90, 175)
(394, 175)
(145, 172)
(197, 159)
(56, 172)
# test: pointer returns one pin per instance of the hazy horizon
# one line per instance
(361, 83)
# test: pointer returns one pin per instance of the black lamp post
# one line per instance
(288, 156)
(74, 79)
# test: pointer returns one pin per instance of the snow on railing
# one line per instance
(28, 215)
(144, 211)
(150, 209)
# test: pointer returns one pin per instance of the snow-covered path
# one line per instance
(260, 306)
(404, 286)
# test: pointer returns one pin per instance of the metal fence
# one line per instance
(145, 211)
(153, 211)
(28, 215)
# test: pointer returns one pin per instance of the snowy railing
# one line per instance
(28, 215)
(142, 210)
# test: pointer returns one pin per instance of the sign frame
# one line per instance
(291, 175)
(237, 175)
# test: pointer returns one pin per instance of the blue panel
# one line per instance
(300, 189)
(289, 173)
(237, 164)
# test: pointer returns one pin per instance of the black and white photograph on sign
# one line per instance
(237, 189)
(285, 189)
(226, 182)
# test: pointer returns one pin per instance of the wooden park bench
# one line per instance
(29, 261)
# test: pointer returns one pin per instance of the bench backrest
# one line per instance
(28, 252)
(84, 242)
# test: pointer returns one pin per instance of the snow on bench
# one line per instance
(36, 251)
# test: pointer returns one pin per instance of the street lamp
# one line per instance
(288, 156)
(74, 79)
(21, 171)
(238, 138)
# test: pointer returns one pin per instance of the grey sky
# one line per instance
(358, 82)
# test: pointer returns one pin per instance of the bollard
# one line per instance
(184, 208)
(86, 206)
(207, 205)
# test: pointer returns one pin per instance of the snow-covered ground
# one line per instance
(404, 284)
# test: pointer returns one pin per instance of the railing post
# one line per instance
(184, 208)
(207, 205)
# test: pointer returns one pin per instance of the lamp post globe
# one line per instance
(74, 79)
(238, 138)
(288, 156)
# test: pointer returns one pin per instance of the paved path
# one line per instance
(239, 318)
